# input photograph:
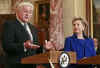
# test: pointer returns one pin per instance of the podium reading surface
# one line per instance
(45, 57)
(90, 60)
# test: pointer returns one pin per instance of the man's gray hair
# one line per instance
(25, 4)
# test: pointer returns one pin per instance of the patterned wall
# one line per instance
(56, 23)
(5, 6)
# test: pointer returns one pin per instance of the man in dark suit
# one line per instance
(97, 48)
(20, 37)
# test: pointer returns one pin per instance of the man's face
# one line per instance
(25, 13)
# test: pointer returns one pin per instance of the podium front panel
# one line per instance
(45, 57)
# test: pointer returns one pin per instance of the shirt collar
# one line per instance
(20, 20)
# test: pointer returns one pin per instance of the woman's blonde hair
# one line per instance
(84, 22)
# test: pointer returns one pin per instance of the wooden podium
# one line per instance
(90, 60)
(45, 57)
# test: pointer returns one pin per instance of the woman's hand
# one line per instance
(49, 45)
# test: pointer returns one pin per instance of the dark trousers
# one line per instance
(80, 66)
(20, 66)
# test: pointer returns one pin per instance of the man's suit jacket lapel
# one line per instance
(21, 27)
(31, 29)
(34, 32)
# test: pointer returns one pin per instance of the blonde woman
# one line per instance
(79, 42)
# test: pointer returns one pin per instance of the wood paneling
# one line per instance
(88, 16)
(41, 19)
(5, 6)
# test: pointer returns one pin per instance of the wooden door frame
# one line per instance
(89, 16)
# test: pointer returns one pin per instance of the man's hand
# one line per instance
(28, 44)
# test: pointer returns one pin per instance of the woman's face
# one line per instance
(78, 26)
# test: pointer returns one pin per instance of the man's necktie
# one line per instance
(26, 29)
(28, 51)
